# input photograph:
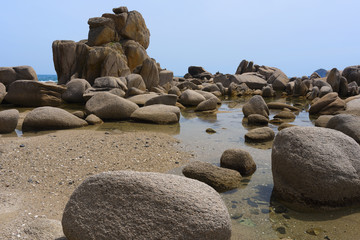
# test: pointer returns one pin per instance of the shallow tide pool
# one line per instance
(254, 214)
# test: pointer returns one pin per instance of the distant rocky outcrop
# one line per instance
(116, 46)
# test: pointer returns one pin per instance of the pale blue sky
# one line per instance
(295, 36)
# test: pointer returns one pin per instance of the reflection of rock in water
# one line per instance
(171, 129)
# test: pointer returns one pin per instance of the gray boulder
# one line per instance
(2, 92)
(135, 81)
(352, 74)
(262, 134)
(334, 79)
(28, 93)
(257, 119)
(221, 179)
(108, 106)
(191, 98)
(239, 160)
(353, 106)
(166, 77)
(346, 123)
(278, 80)
(141, 99)
(252, 80)
(323, 120)
(285, 115)
(167, 99)
(8, 120)
(51, 118)
(207, 105)
(75, 90)
(7, 75)
(134, 205)
(328, 105)
(256, 105)
(150, 73)
(311, 166)
(158, 113)
(92, 119)
(109, 82)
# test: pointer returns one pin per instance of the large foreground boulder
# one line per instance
(108, 106)
(34, 94)
(8, 120)
(316, 167)
(157, 113)
(134, 205)
(51, 118)
(221, 179)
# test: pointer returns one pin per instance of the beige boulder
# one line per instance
(31, 93)
(51, 118)
(134, 205)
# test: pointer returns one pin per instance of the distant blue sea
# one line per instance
(47, 78)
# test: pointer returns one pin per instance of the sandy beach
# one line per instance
(38, 173)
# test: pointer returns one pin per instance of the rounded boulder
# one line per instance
(221, 179)
(51, 118)
(134, 205)
(8, 120)
(239, 160)
(256, 105)
(108, 106)
(316, 167)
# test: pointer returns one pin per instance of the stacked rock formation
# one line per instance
(116, 46)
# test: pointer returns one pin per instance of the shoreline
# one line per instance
(39, 173)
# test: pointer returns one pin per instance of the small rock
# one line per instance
(239, 160)
(221, 179)
(314, 231)
(210, 130)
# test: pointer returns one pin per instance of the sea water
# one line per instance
(47, 77)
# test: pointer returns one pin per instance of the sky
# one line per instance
(298, 37)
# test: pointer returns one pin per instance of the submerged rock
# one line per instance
(262, 134)
(221, 179)
(134, 205)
